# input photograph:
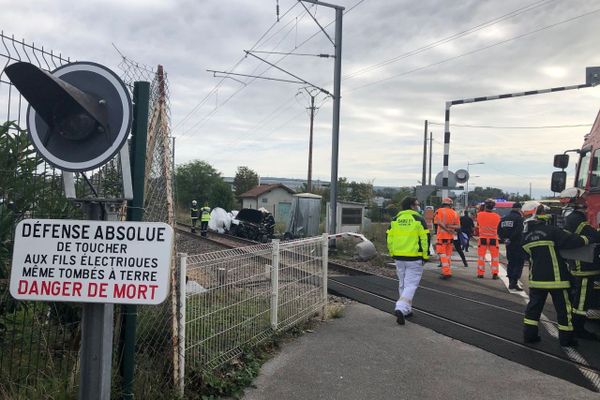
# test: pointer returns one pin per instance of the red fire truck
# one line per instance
(587, 178)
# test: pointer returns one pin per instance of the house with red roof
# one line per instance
(276, 198)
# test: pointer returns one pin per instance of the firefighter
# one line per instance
(448, 226)
(194, 214)
(511, 230)
(408, 243)
(487, 222)
(548, 273)
(204, 219)
(583, 273)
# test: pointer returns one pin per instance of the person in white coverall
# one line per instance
(408, 242)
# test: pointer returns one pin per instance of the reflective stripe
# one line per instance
(569, 311)
(531, 322)
(585, 273)
(406, 300)
(528, 246)
(555, 266)
(580, 309)
(565, 328)
(550, 285)
(580, 227)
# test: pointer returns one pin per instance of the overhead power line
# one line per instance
(216, 87)
(448, 39)
(565, 21)
(213, 111)
(454, 36)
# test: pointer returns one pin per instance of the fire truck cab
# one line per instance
(587, 172)
(587, 179)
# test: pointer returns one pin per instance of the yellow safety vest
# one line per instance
(407, 237)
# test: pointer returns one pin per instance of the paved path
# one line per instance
(366, 355)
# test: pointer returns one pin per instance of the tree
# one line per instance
(244, 180)
(479, 194)
(361, 192)
(198, 180)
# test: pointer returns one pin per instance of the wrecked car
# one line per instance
(253, 224)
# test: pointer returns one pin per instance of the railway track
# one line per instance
(566, 364)
(223, 241)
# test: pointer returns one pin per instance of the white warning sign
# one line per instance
(91, 261)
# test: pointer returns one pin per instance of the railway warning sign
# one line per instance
(91, 261)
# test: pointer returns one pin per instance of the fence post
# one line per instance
(325, 258)
(182, 319)
(141, 99)
(274, 283)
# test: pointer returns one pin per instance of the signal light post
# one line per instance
(79, 117)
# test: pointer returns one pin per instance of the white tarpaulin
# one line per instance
(220, 220)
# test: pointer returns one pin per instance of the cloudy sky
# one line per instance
(402, 60)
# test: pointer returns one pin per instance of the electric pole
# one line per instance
(310, 143)
(424, 155)
(430, 153)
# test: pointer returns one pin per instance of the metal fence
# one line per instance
(39, 341)
(240, 297)
(157, 355)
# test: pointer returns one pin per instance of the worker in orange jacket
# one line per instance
(487, 223)
(448, 226)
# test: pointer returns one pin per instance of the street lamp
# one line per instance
(467, 191)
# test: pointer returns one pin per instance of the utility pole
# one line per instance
(529, 190)
(430, 154)
(337, 75)
(424, 154)
(335, 129)
(310, 144)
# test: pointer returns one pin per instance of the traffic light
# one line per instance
(79, 115)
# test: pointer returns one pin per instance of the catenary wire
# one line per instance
(187, 116)
(449, 38)
(417, 51)
(246, 83)
(565, 21)
(212, 112)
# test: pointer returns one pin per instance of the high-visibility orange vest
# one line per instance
(448, 217)
(488, 221)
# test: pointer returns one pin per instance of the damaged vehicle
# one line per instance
(253, 224)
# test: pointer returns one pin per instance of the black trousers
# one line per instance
(516, 259)
(562, 305)
(203, 227)
(459, 250)
(582, 291)
(194, 222)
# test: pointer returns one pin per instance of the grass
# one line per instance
(232, 378)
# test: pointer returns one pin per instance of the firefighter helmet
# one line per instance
(447, 201)
(194, 202)
(573, 197)
(489, 204)
(533, 208)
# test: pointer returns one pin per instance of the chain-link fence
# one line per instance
(39, 341)
(157, 357)
(240, 297)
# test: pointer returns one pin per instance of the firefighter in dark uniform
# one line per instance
(583, 273)
(194, 214)
(549, 273)
(511, 231)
